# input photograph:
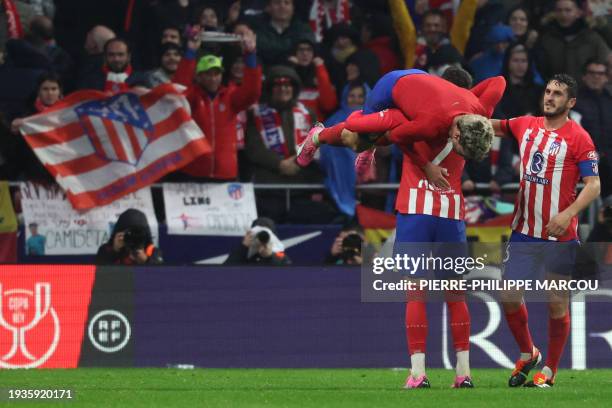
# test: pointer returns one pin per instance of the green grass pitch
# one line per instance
(302, 388)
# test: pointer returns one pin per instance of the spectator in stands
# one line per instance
(274, 129)
(26, 10)
(260, 246)
(434, 35)
(116, 74)
(131, 242)
(593, 111)
(171, 34)
(489, 63)
(602, 232)
(341, 48)
(214, 106)
(346, 249)
(170, 58)
(208, 18)
(338, 163)
(325, 13)
(35, 245)
(520, 22)
(445, 57)
(488, 14)
(49, 93)
(317, 91)
(568, 43)
(178, 13)
(278, 31)
(377, 36)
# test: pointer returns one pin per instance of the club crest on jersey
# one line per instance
(592, 155)
(554, 148)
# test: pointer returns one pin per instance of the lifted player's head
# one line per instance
(559, 96)
(471, 136)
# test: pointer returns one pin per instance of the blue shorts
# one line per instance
(423, 235)
(531, 258)
(380, 98)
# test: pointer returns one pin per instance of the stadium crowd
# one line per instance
(295, 63)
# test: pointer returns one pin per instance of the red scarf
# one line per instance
(13, 22)
(115, 82)
(322, 17)
(270, 126)
(41, 107)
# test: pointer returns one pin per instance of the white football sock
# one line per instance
(417, 361)
(547, 372)
(463, 363)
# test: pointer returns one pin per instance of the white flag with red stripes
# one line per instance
(100, 148)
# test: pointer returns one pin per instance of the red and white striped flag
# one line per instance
(100, 148)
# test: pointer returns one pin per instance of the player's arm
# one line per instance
(435, 174)
(500, 127)
(490, 92)
(559, 223)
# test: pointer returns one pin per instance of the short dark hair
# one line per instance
(48, 76)
(433, 12)
(114, 40)
(458, 76)
(591, 61)
(567, 80)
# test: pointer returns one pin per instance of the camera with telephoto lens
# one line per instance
(351, 246)
(263, 237)
(135, 239)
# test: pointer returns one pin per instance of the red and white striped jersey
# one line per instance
(549, 173)
(417, 196)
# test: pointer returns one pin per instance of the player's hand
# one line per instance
(293, 59)
(248, 239)
(558, 224)
(289, 167)
(336, 248)
(118, 242)
(350, 139)
(468, 186)
(194, 38)
(436, 176)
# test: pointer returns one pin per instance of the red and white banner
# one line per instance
(43, 310)
(100, 148)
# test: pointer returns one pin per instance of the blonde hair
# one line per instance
(476, 136)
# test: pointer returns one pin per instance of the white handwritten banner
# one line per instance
(53, 227)
(209, 209)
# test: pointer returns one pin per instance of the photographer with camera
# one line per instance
(346, 249)
(260, 246)
(131, 242)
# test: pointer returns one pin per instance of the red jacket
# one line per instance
(217, 119)
(321, 100)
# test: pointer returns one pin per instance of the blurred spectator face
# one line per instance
(352, 72)
(421, 6)
(356, 97)
(280, 11)
(170, 61)
(210, 80)
(434, 29)
(596, 77)
(518, 22)
(343, 42)
(304, 54)
(241, 29)
(566, 13)
(209, 18)
(49, 93)
(41, 27)
(237, 70)
(96, 38)
(117, 56)
(282, 91)
(518, 64)
(171, 35)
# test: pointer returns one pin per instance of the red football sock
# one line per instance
(459, 317)
(416, 323)
(517, 322)
(558, 331)
(332, 135)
